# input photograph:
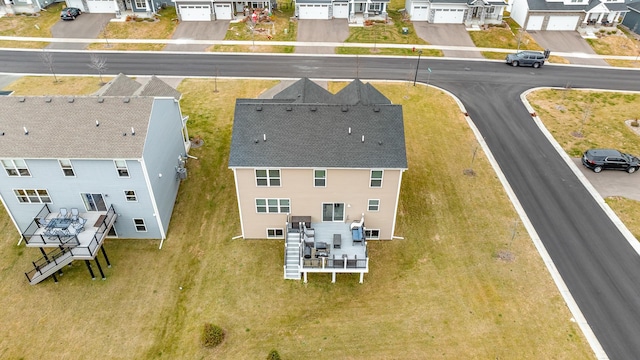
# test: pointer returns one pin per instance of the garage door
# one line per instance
(448, 16)
(535, 23)
(566, 23)
(195, 12)
(101, 6)
(340, 10)
(76, 4)
(223, 11)
(420, 12)
(313, 11)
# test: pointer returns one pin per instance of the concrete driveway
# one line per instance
(85, 26)
(336, 30)
(198, 30)
(566, 41)
(612, 183)
(447, 34)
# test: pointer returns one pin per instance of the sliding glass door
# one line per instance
(333, 212)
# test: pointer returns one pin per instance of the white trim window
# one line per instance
(67, 168)
(121, 168)
(374, 205)
(16, 167)
(375, 180)
(32, 196)
(141, 4)
(273, 206)
(277, 233)
(319, 178)
(93, 202)
(333, 212)
(375, 7)
(268, 177)
(372, 234)
(130, 196)
(140, 225)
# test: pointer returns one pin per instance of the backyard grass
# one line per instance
(161, 29)
(66, 85)
(30, 26)
(442, 292)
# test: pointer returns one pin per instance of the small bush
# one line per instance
(212, 335)
(273, 355)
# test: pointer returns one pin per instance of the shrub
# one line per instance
(635, 123)
(212, 335)
(273, 355)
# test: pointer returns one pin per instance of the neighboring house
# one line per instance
(114, 161)
(341, 9)
(468, 12)
(142, 8)
(632, 18)
(566, 15)
(328, 161)
(24, 6)
(208, 10)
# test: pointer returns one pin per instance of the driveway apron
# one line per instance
(336, 30)
(447, 34)
(567, 41)
(85, 26)
(198, 30)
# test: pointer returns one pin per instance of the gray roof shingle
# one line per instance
(312, 134)
(157, 87)
(123, 85)
(62, 129)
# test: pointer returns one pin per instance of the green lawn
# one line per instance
(442, 292)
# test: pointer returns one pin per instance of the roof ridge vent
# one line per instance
(70, 100)
(376, 109)
(22, 99)
(344, 109)
(126, 100)
(100, 100)
(258, 108)
(289, 108)
(47, 99)
(313, 108)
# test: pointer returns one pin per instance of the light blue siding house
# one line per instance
(79, 169)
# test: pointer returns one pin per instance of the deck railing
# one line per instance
(40, 264)
(334, 263)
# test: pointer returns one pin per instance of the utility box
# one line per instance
(405, 30)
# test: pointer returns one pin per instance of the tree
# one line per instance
(47, 60)
(99, 64)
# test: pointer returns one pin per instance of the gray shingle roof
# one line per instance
(122, 85)
(315, 134)
(62, 129)
(634, 5)
(305, 91)
(542, 5)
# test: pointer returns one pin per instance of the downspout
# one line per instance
(153, 201)
(235, 179)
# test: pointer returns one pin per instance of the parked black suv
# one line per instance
(607, 159)
(527, 58)
(70, 13)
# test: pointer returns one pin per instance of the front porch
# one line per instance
(326, 247)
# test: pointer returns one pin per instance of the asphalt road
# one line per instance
(595, 260)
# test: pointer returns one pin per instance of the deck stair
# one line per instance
(292, 256)
(47, 266)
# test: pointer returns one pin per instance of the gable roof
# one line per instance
(543, 5)
(634, 5)
(314, 134)
(304, 91)
(65, 127)
(123, 85)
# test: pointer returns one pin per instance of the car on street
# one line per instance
(526, 58)
(608, 159)
(70, 13)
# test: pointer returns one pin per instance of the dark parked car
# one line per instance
(526, 58)
(607, 159)
(70, 13)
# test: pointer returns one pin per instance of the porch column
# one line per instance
(100, 269)
(600, 17)
(149, 9)
(482, 15)
(104, 253)
(366, 9)
(93, 277)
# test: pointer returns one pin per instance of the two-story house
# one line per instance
(79, 168)
(468, 12)
(308, 159)
(566, 15)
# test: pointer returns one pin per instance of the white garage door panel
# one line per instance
(76, 4)
(101, 6)
(535, 23)
(448, 16)
(313, 11)
(223, 11)
(341, 11)
(420, 13)
(564, 23)
(195, 12)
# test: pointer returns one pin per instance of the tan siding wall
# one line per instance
(348, 186)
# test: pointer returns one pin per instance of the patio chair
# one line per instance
(42, 222)
(63, 212)
(74, 214)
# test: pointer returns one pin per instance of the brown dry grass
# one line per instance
(66, 85)
(618, 44)
(440, 293)
(30, 26)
